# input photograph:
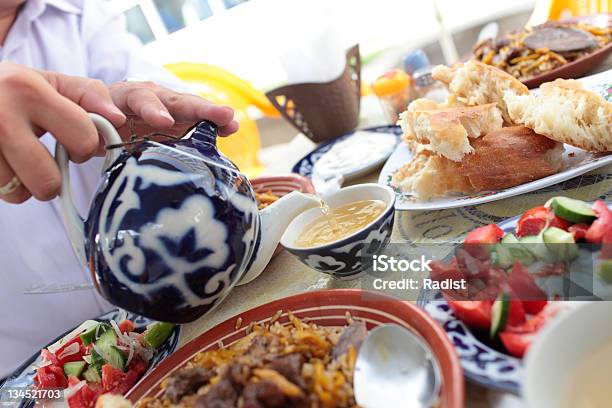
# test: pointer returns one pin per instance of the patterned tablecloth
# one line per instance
(285, 275)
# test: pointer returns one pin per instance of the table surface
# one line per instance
(285, 275)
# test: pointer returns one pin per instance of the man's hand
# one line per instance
(37, 102)
(32, 104)
(163, 109)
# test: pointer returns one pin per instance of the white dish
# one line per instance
(366, 163)
(356, 154)
(577, 162)
(346, 258)
(558, 350)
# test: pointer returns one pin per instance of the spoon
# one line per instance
(395, 368)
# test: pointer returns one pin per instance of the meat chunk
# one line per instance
(262, 346)
(353, 335)
(266, 394)
(225, 393)
(290, 367)
(186, 382)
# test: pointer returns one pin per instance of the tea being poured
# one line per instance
(339, 222)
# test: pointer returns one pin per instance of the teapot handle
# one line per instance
(75, 225)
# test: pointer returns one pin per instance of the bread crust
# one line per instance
(446, 131)
(428, 176)
(503, 158)
(480, 84)
(566, 112)
(510, 156)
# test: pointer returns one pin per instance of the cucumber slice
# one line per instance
(536, 246)
(560, 243)
(92, 375)
(499, 314)
(510, 250)
(97, 361)
(509, 238)
(89, 336)
(114, 357)
(575, 211)
(108, 338)
(502, 257)
(605, 270)
(157, 333)
(107, 344)
(74, 368)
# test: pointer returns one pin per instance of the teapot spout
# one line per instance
(274, 219)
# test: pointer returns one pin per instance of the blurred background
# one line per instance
(247, 37)
(234, 51)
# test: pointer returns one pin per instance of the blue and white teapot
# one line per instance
(174, 225)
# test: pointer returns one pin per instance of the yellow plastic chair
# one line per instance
(222, 87)
(556, 9)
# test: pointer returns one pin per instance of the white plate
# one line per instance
(582, 162)
(306, 164)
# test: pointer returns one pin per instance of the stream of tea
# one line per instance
(340, 222)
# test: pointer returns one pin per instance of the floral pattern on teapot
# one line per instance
(171, 228)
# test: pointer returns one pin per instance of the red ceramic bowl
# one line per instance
(577, 68)
(326, 308)
(572, 70)
(282, 185)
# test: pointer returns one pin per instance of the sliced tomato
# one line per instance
(139, 366)
(602, 225)
(115, 381)
(48, 356)
(73, 357)
(474, 313)
(43, 378)
(471, 266)
(516, 343)
(517, 315)
(523, 285)
(85, 397)
(126, 326)
(489, 234)
(534, 306)
(579, 231)
(606, 246)
(533, 221)
(50, 376)
(517, 338)
(72, 381)
(111, 377)
(130, 379)
(441, 270)
(477, 241)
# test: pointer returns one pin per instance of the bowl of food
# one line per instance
(568, 365)
(270, 188)
(313, 365)
(340, 237)
(556, 49)
(105, 355)
(511, 269)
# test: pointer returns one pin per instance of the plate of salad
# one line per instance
(108, 354)
(511, 271)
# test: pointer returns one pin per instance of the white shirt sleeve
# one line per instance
(113, 53)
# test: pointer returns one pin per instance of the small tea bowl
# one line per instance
(347, 257)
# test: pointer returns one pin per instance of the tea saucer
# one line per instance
(351, 166)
